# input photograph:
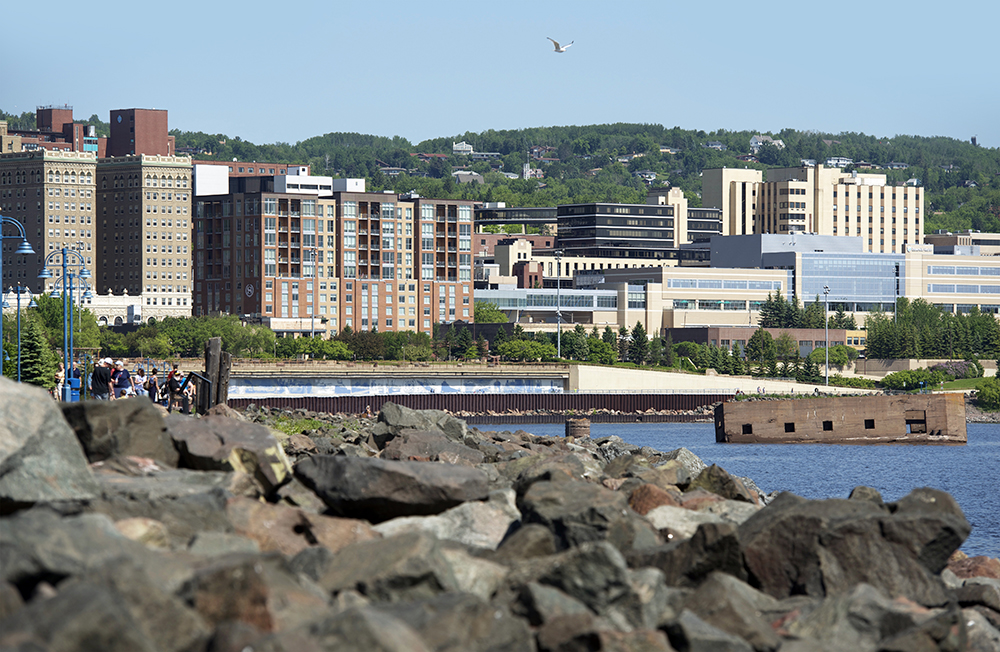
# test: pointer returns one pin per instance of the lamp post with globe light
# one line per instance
(24, 249)
(70, 270)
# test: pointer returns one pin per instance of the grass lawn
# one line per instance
(964, 383)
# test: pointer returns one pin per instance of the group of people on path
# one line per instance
(110, 380)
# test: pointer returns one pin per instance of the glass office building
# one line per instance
(857, 282)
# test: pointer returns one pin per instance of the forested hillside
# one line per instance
(601, 162)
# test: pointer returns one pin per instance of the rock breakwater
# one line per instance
(124, 529)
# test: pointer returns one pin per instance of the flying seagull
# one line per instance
(559, 48)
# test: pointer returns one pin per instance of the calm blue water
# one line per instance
(969, 473)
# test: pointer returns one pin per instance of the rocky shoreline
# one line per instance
(123, 528)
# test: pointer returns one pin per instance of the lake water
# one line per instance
(969, 473)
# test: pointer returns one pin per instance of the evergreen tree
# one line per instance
(656, 352)
(499, 338)
(518, 333)
(38, 361)
(738, 365)
(772, 368)
(622, 343)
(610, 338)
(669, 358)
(580, 347)
(482, 348)
(638, 350)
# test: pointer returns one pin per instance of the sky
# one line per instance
(284, 72)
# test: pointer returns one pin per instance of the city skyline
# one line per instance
(435, 71)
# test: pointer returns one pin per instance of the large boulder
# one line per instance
(40, 457)
(432, 446)
(826, 547)
(394, 418)
(716, 480)
(405, 567)
(378, 490)
(261, 590)
(735, 607)
(185, 502)
(578, 512)
(132, 426)
(222, 444)
(480, 524)
(686, 563)
(284, 529)
(461, 622)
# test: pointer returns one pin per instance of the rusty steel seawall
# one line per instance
(484, 403)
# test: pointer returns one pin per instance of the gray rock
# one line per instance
(477, 524)
(540, 604)
(10, 600)
(133, 426)
(692, 634)
(361, 629)
(217, 443)
(312, 562)
(689, 460)
(982, 636)
(396, 418)
(379, 490)
(38, 545)
(945, 631)
(186, 502)
(526, 542)
(972, 594)
(162, 617)
(261, 590)
(40, 457)
(578, 512)
(855, 620)
(735, 607)
(826, 547)
(866, 493)
(685, 563)
(731, 511)
(460, 622)
(212, 544)
(595, 573)
(680, 523)
(430, 445)
(480, 577)
(405, 567)
(84, 616)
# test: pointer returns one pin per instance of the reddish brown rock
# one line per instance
(981, 566)
(289, 530)
(650, 496)
(299, 443)
(699, 498)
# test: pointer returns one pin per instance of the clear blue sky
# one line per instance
(275, 71)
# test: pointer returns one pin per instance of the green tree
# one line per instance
(638, 349)
(761, 348)
(610, 338)
(488, 313)
(622, 343)
(669, 358)
(580, 347)
(38, 361)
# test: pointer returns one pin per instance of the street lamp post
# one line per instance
(826, 326)
(20, 290)
(559, 255)
(70, 270)
(24, 248)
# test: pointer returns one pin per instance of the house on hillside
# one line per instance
(716, 145)
(462, 148)
(758, 141)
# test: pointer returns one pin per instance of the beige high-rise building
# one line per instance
(144, 230)
(733, 190)
(826, 201)
(52, 194)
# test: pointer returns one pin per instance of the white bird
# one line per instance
(559, 48)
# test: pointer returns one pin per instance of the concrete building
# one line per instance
(970, 242)
(819, 200)
(52, 194)
(144, 230)
(734, 192)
